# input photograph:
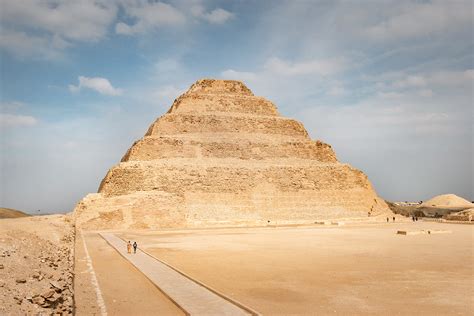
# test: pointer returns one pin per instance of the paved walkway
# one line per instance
(190, 296)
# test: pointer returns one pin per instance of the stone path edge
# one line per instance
(95, 283)
(229, 299)
(154, 284)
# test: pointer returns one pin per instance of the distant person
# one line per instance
(135, 247)
(413, 218)
(416, 218)
(388, 219)
(393, 218)
(129, 247)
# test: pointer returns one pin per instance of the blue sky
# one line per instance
(388, 83)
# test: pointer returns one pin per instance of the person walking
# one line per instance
(129, 247)
(135, 247)
(394, 218)
(387, 219)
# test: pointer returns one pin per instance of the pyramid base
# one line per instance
(158, 209)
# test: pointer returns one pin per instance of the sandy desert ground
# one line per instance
(123, 289)
(364, 270)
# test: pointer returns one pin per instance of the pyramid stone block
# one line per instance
(223, 157)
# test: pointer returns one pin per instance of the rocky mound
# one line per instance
(448, 201)
(223, 157)
(466, 215)
(11, 213)
(36, 266)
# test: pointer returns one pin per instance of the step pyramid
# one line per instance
(223, 157)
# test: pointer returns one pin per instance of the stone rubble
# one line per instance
(36, 275)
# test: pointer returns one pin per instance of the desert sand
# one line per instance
(124, 290)
(358, 270)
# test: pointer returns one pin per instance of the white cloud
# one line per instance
(124, 29)
(321, 67)
(426, 93)
(337, 89)
(380, 31)
(389, 95)
(43, 29)
(165, 93)
(169, 65)
(239, 75)
(22, 45)
(11, 105)
(217, 16)
(101, 85)
(410, 81)
(452, 78)
(149, 16)
(425, 83)
(82, 20)
(412, 20)
(278, 80)
(13, 120)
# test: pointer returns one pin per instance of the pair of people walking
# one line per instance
(129, 247)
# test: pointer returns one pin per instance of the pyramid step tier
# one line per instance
(199, 103)
(171, 124)
(212, 86)
(261, 206)
(152, 148)
(230, 175)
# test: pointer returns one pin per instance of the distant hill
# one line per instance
(438, 206)
(11, 213)
(448, 201)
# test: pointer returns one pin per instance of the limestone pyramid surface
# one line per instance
(223, 157)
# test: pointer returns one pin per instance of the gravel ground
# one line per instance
(36, 266)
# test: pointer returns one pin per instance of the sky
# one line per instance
(389, 84)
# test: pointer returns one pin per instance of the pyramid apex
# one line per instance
(219, 86)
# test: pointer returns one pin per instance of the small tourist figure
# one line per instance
(413, 218)
(394, 218)
(135, 247)
(129, 247)
(387, 219)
